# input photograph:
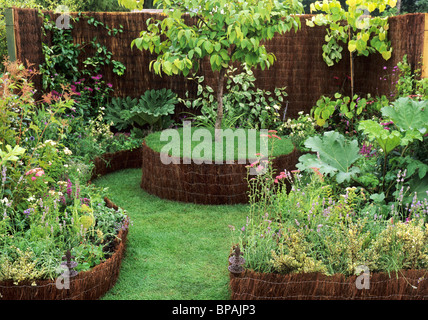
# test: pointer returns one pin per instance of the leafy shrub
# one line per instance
(154, 108)
(245, 106)
(46, 209)
(298, 129)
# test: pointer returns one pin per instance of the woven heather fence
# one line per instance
(299, 65)
(92, 284)
(201, 183)
(111, 162)
(403, 285)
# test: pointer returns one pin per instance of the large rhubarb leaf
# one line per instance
(408, 114)
(387, 140)
(335, 156)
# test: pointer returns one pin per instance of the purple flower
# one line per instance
(69, 188)
(109, 85)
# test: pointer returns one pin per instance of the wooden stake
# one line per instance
(10, 34)
(425, 49)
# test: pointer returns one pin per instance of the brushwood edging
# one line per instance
(400, 285)
(94, 283)
(87, 285)
(115, 161)
(212, 184)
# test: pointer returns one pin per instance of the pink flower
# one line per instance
(316, 170)
(34, 170)
(254, 163)
(40, 173)
(33, 178)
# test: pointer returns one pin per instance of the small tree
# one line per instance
(355, 27)
(225, 31)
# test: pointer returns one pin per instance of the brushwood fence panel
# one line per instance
(299, 65)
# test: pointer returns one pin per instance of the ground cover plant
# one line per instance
(204, 147)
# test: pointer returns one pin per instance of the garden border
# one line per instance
(210, 184)
(87, 285)
(403, 285)
(94, 283)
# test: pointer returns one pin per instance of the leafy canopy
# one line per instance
(225, 31)
(362, 33)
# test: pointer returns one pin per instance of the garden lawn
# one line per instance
(175, 251)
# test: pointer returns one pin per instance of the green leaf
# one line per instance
(335, 155)
(387, 140)
(352, 46)
(208, 46)
(408, 114)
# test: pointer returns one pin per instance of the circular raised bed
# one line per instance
(201, 183)
(87, 285)
(94, 283)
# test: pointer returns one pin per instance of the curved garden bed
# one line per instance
(87, 285)
(202, 183)
(111, 162)
(405, 285)
(94, 283)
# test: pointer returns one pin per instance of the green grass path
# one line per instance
(175, 251)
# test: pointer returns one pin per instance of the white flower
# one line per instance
(67, 151)
(277, 107)
(31, 199)
(52, 143)
(66, 166)
(4, 201)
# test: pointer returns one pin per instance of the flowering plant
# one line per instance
(298, 222)
(45, 210)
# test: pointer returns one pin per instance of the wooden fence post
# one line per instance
(10, 34)
(425, 50)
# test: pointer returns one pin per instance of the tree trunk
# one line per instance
(220, 89)
(351, 65)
